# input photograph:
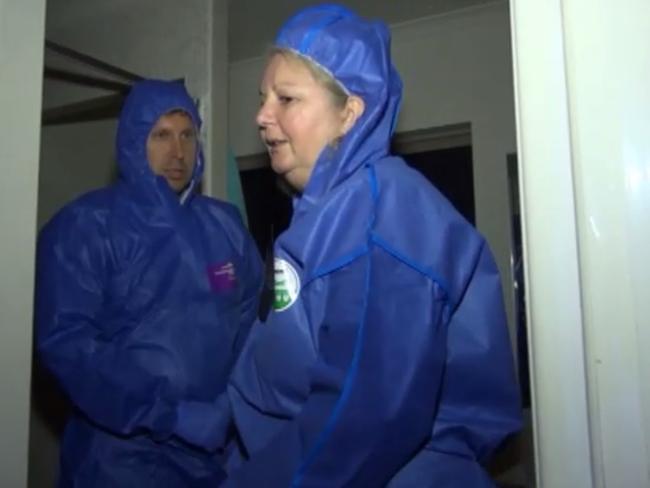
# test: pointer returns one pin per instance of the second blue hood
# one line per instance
(147, 101)
(356, 52)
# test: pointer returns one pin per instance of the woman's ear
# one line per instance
(354, 107)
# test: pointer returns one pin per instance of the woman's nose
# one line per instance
(264, 115)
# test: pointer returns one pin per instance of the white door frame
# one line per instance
(582, 72)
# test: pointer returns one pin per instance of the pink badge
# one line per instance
(222, 277)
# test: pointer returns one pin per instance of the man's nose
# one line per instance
(177, 148)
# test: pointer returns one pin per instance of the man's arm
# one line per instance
(101, 374)
(252, 277)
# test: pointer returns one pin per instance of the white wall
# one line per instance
(456, 68)
(152, 38)
(21, 58)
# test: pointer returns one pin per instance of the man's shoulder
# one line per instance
(218, 207)
(216, 202)
(85, 210)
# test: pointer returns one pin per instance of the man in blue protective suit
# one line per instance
(145, 294)
(386, 359)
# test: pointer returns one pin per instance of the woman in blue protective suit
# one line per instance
(146, 291)
(385, 360)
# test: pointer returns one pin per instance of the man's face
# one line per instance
(171, 149)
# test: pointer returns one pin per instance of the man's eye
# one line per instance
(160, 135)
(285, 100)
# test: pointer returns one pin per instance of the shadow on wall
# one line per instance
(48, 400)
(50, 410)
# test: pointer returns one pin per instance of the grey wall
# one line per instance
(251, 34)
(75, 158)
(21, 55)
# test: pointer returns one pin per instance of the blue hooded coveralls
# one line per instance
(144, 300)
(386, 360)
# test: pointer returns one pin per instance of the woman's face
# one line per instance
(297, 119)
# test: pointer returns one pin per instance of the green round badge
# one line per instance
(287, 285)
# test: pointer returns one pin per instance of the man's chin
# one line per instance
(177, 186)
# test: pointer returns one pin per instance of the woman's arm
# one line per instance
(479, 405)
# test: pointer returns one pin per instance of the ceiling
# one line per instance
(253, 23)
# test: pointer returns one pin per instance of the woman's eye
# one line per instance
(284, 100)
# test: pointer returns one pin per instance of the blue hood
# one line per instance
(356, 53)
(147, 101)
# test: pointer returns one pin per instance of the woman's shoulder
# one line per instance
(416, 223)
(400, 186)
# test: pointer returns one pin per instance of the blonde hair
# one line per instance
(321, 75)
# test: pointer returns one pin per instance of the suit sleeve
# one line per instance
(479, 405)
(102, 376)
(253, 282)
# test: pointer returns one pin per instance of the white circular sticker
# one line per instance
(286, 285)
